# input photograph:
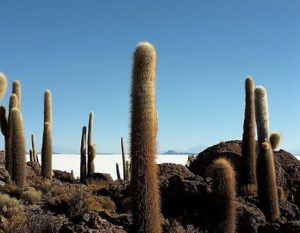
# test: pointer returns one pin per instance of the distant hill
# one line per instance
(173, 152)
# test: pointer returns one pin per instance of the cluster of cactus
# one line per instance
(47, 137)
(13, 131)
(32, 152)
(144, 174)
(258, 160)
(125, 164)
(266, 177)
(87, 165)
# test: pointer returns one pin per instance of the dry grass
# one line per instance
(31, 196)
(12, 214)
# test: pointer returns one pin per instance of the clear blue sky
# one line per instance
(82, 52)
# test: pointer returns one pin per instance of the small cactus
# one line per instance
(83, 156)
(248, 143)
(266, 177)
(275, 140)
(3, 85)
(118, 171)
(144, 172)
(123, 160)
(18, 151)
(31, 156)
(47, 152)
(224, 191)
(91, 156)
(16, 89)
(34, 155)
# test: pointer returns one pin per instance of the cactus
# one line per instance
(31, 156)
(248, 143)
(144, 173)
(91, 161)
(6, 131)
(3, 85)
(224, 188)
(83, 156)
(275, 140)
(123, 160)
(34, 155)
(91, 156)
(16, 89)
(47, 152)
(266, 177)
(118, 171)
(18, 150)
(127, 170)
(48, 107)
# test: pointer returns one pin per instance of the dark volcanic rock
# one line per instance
(249, 217)
(287, 166)
(64, 176)
(92, 224)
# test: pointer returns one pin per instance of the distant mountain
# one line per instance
(173, 152)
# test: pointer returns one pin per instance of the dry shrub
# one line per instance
(94, 185)
(101, 203)
(31, 196)
(40, 183)
(46, 223)
(12, 214)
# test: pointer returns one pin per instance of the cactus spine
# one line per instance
(16, 89)
(144, 174)
(3, 85)
(224, 186)
(91, 149)
(266, 178)
(248, 143)
(123, 160)
(118, 171)
(83, 156)
(47, 137)
(18, 150)
(47, 152)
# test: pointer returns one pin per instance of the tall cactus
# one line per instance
(249, 143)
(123, 160)
(224, 188)
(47, 152)
(47, 137)
(6, 131)
(16, 89)
(34, 154)
(48, 107)
(266, 177)
(118, 171)
(3, 85)
(18, 150)
(91, 155)
(83, 156)
(144, 172)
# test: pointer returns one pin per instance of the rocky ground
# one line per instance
(103, 205)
